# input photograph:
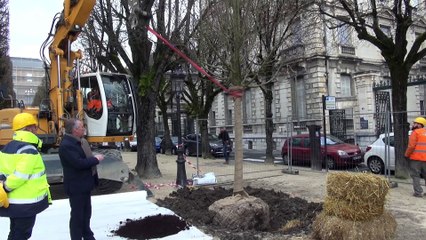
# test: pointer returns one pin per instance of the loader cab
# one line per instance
(108, 104)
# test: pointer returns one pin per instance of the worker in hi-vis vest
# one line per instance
(23, 176)
(416, 152)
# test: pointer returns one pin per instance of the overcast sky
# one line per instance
(30, 22)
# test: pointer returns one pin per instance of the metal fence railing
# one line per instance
(355, 142)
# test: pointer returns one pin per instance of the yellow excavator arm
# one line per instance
(74, 16)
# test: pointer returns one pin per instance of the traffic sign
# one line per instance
(330, 102)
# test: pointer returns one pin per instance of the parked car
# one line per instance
(215, 144)
(339, 153)
(376, 154)
(157, 144)
(134, 144)
(174, 145)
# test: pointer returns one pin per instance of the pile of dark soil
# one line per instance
(290, 216)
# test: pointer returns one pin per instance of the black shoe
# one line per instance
(419, 195)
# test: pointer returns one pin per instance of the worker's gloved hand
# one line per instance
(4, 202)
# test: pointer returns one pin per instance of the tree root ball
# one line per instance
(238, 212)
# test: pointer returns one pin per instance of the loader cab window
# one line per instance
(92, 100)
(119, 104)
(108, 103)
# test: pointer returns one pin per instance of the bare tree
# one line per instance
(163, 103)
(118, 29)
(365, 17)
(275, 25)
(6, 83)
(224, 37)
(199, 92)
(232, 25)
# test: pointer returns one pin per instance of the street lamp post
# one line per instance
(177, 79)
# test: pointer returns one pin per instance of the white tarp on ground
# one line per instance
(107, 213)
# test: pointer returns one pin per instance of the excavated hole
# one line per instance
(156, 226)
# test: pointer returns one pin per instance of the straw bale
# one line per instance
(292, 224)
(357, 188)
(352, 211)
(327, 227)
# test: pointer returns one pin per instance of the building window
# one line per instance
(247, 105)
(299, 98)
(344, 34)
(229, 119)
(416, 4)
(423, 45)
(297, 32)
(213, 118)
(386, 30)
(346, 86)
(349, 118)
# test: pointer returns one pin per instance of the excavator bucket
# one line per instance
(112, 171)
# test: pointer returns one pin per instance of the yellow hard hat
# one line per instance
(420, 120)
(4, 202)
(22, 120)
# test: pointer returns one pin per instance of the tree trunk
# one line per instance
(269, 124)
(236, 78)
(167, 140)
(146, 165)
(204, 138)
(401, 127)
(238, 143)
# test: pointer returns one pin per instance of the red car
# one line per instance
(338, 152)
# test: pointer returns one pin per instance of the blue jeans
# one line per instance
(225, 151)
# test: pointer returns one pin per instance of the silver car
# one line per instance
(380, 153)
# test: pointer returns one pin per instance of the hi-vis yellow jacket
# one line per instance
(26, 181)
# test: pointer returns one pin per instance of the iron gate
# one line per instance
(338, 123)
(382, 102)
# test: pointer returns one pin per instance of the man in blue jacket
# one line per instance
(80, 178)
(23, 174)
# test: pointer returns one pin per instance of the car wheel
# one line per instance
(285, 159)
(162, 150)
(174, 151)
(330, 163)
(376, 165)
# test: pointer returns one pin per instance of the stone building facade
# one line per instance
(27, 74)
(328, 63)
